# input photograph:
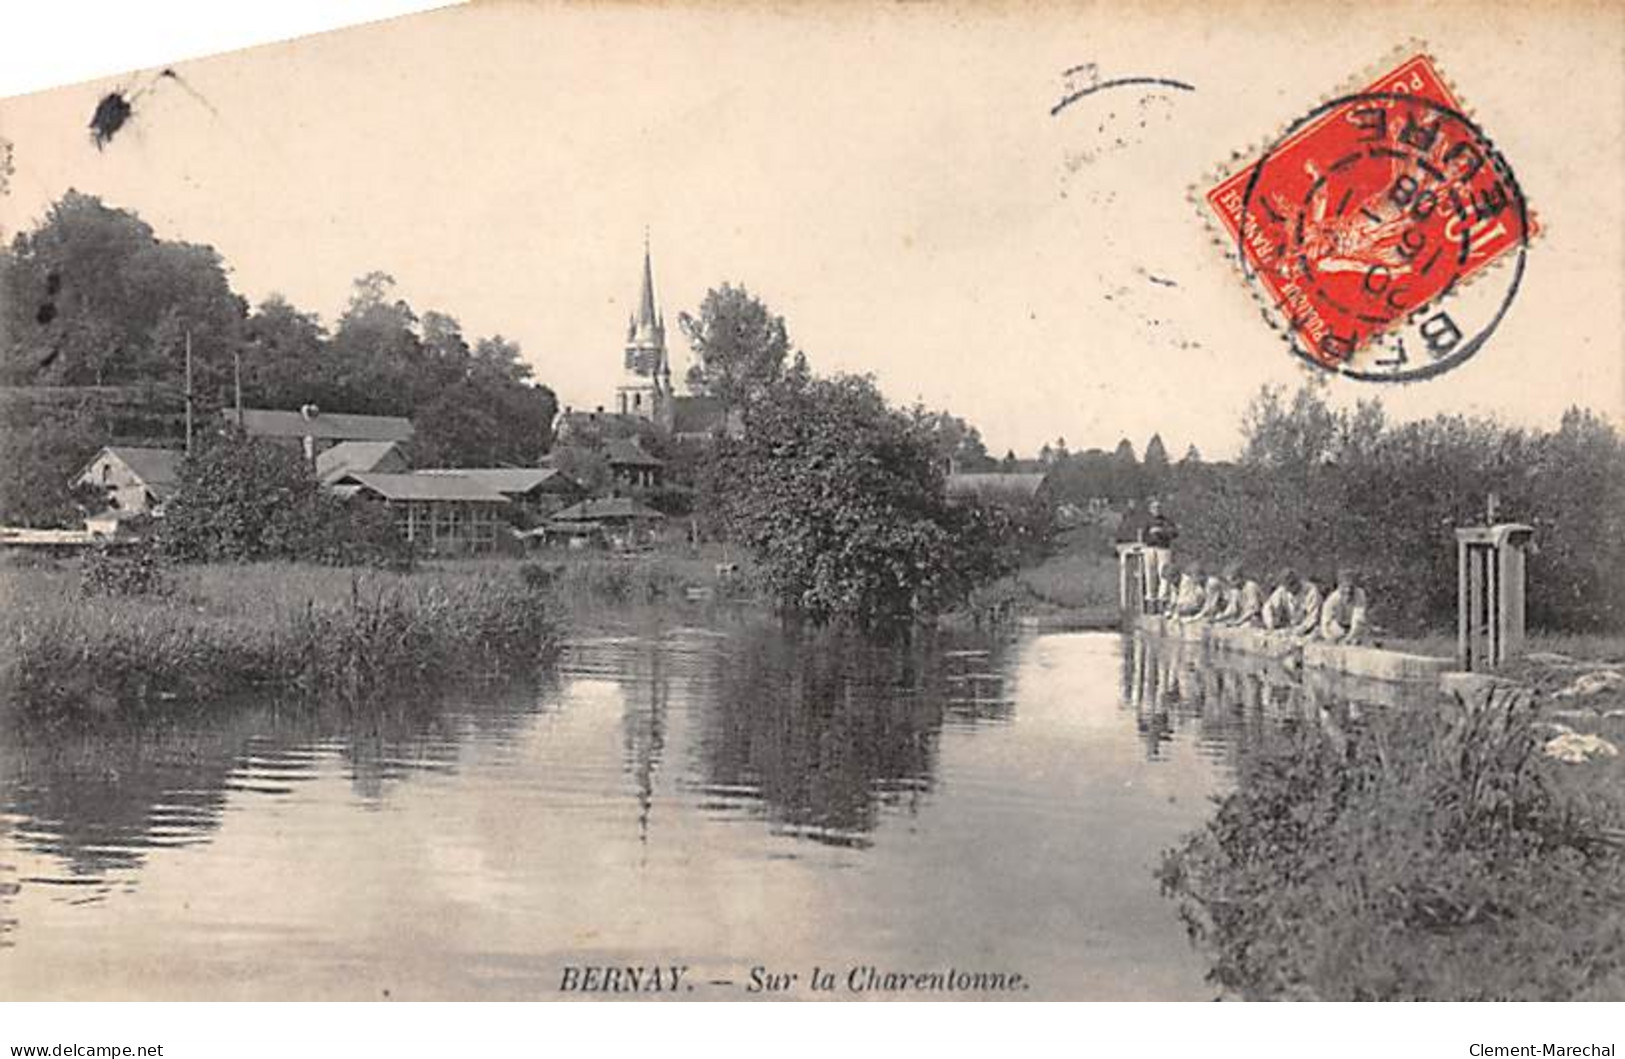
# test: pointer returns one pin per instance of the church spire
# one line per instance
(648, 321)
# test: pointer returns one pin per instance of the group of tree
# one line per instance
(1318, 488)
(1116, 476)
(92, 297)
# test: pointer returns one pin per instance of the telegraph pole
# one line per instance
(189, 392)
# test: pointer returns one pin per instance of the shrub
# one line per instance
(138, 571)
(841, 500)
(1414, 855)
(244, 500)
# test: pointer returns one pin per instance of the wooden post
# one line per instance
(1490, 593)
(1131, 585)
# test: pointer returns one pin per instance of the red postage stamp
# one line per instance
(1364, 222)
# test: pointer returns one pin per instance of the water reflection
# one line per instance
(1236, 701)
(721, 794)
(97, 797)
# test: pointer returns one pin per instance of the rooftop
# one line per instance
(507, 479)
(996, 484)
(310, 422)
(353, 456)
(624, 452)
(423, 487)
(152, 466)
(611, 507)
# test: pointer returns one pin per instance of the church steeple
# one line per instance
(648, 371)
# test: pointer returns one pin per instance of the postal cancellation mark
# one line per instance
(1365, 221)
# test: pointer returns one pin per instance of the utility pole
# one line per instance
(237, 376)
(189, 392)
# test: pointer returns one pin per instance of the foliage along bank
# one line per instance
(196, 633)
(842, 501)
(1405, 855)
(1318, 488)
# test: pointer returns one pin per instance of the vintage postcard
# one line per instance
(727, 501)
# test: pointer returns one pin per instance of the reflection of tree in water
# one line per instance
(1236, 702)
(827, 727)
(8, 890)
(97, 794)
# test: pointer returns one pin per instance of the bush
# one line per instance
(1414, 855)
(841, 500)
(245, 500)
(135, 572)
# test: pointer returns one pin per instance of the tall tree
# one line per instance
(840, 497)
(739, 345)
(1155, 463)
(92, 296)
(284, 357)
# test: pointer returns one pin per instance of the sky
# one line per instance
(890, 179)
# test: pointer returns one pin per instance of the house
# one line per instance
(377, 457)
(622, 521)
(631, 466)
(537, 491)
(1001, 489)
(313, 431)
(441, 513)
(135, 480)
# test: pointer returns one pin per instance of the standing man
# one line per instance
(1158, 536)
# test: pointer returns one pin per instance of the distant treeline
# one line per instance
(92, 298)
(1317, 488)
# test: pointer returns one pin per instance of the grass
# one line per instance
(1423, 854)
(224, 629)
(211, 630)
(1585, 647)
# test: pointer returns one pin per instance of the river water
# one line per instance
(724, 795)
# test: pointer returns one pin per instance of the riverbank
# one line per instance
(83, 634)
(1470, 852)
(209, 631)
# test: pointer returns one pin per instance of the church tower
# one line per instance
(645, 389)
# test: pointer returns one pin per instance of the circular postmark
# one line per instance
(1364, 223)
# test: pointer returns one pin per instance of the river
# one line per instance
(724, 796)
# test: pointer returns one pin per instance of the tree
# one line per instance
(41, 451)
(956, 442)
(841, 500)
(93, 297)
(1127, 478)
(284, 358)
(739, 345)
(376, 351)
(1154, 466)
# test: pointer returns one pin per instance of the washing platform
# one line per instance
(1370, 663)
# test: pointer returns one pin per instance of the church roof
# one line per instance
(648, 329)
